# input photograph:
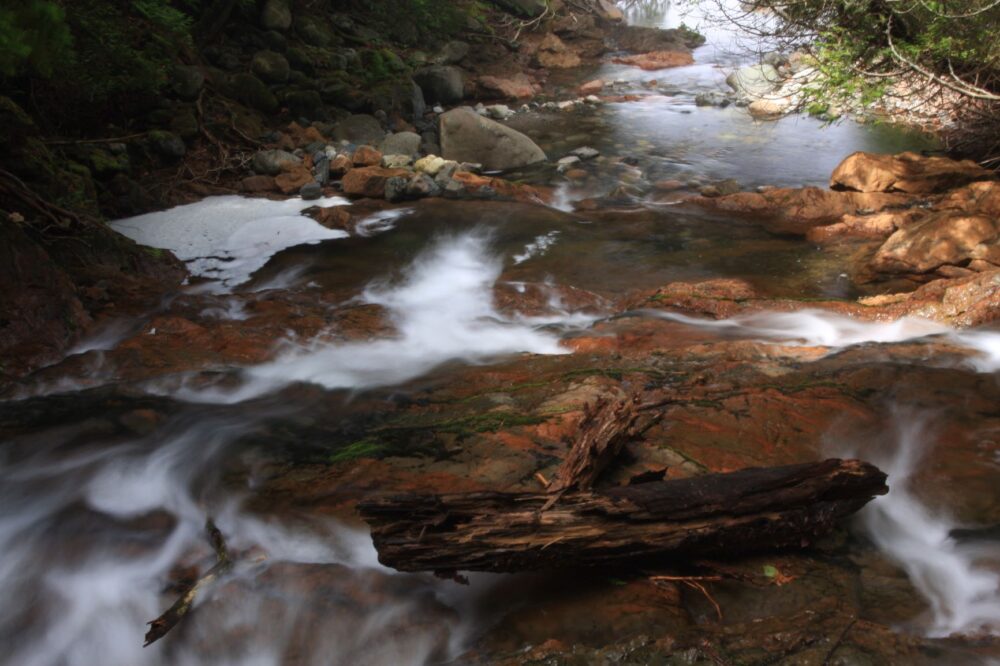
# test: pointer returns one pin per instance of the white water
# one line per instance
(963, 594)
(442, 310)
(229, 238)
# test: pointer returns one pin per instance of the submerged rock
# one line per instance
(468, 137)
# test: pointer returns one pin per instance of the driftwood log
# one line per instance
(751, 510)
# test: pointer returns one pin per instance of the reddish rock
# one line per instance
(877, 225)
(949, 238)
(303, 136)
(367, 156)
(591, 87)
(503, 188)
(370, 181)
(292, 181)
(577, 174)
(340, 165)
(655, 60)
(258, 184)
(553, 53)
(907, 172)
(516, 87)
(668, 185)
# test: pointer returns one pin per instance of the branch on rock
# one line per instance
(742, 512)
(159, 627)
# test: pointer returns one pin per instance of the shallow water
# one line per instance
(106, 491)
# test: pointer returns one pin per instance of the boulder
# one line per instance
(949, 238)
(370, 181)
(655, 60)
(311, 191)
(276, 15)
(273, 162)
(468, 137)
(431, 164)
(451, 53)
(907, 172)
(366, 156)
(401, 143)
(754, 80)
(441, 84)
(360, 128)
(271, 67)
(252, 92)
(293, 180)
(769, 109)
(518, 86)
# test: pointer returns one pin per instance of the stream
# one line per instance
(437, 327)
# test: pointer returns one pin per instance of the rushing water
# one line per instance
(106, 491)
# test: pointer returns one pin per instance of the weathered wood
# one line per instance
(606, 427)
(741, 512)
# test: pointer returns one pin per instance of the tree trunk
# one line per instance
(712, 515)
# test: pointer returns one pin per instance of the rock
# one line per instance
(359, 128)
(168, 144)
(451, 53)
(567, 163)
(515, 87)
(528, 8)
(907, 172)
(273, 162)
(585, 152)
(668, 185)
(276, 15)
(467, 137)
(293, 180)
(421, 185)
(401, 143)
(321, 170)
(306, 103)
(258, 184)
(313, 31)
(775, 59)
(754, 80)
(366, 156)
(639, 39)
(370, 181)
(441, 84)
(395, 188)
(591, 87)
(727, 187)
(340, 164)
(713, 98)
(252, 92)
(878, 225)
(577, 174)
(446, 173)
(655, 60)
(768, 109)
(430, 165)
(554, 54)
(311, 191)
(949, 238)
(271, 67)
(499, 111)
(187, 82)
(396, 161)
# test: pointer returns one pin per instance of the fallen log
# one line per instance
(742, 512)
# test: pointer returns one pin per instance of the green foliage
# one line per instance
(33, 35)
(433, 18)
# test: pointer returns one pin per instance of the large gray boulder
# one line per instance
(401, 143)
(361, 129)
(754, 80)
(468, 137)
(441, 84)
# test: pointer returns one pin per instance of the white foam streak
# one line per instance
(537, 247)
(963, 596)
(229, 238)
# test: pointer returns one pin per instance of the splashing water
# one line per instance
(964, 597)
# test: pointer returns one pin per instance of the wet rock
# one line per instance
(515, 87)
(396, 161)
(876, 225)
(293, 180)
(258, 184)
(714, 98)
(907, 172)
(276, 15)
(321, 170)
(431, 164)
(655, 60)
(591, 87)
(640, 39)
(311, 191)
(441, 84)
(499, 111)
(754, 80)
(422, 185)
(468, 137)
(366, 156)
(396, 188)
(401, 143)
(370, 181)
(486, 187)
(943, 239)
(360, 129)
(553, 53)
(340, 164)
(769, 109)
(273, 162)
(585, 153)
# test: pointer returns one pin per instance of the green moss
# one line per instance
(365, 448)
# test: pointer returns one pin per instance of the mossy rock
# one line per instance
(313, 31)
(184, 123)
(252, 92)
(105, 164)
(307, 103)
(300, 61)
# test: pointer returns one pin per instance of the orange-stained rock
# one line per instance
(591, 87)
(907, 172)
(877, 225)
(516, 87)
(303, 136)
(340, 165)
(657, 60)
(367, 156)
(258, 184)
(503, 188)
(949, 238)
(553, 53)
(292, 181)
(370, 181)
